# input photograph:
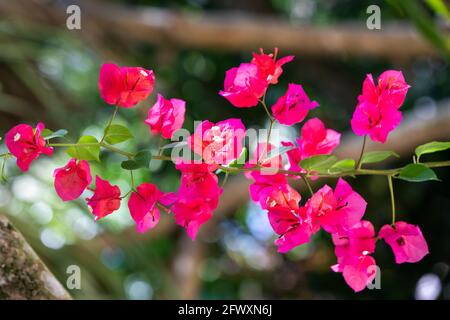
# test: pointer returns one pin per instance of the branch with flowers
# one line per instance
(219, 150)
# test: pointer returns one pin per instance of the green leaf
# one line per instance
(440, 8)
(2, 170)
(431, 147)
(278, 151)
(48, 134)
(320, 163)
(343, 165)
(117, 134)
(377, 156)
(240, 161)
(416, 172)
(141, 160)
(91, 152)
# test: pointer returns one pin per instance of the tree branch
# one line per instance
(22, 273)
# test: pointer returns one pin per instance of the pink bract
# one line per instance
(244, 85)
(353, 247)
(143, 205)
(125, 86)
(315, 139)
(166, 116)
(293, 228)
(268, 66)
(377, 111)
(72, 179)
(191, 214)
(406, 240)
(26, 144)
(218, 143)
(198, 196)
(264, 184)
(293, 106)
(339, 209)
(105, 200)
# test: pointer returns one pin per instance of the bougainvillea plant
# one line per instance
(218, 149)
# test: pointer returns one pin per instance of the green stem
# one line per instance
(267, 110)
(305, 179)
(351, 173)
(94, 144)
(2, 174)
(225, 179)
(272, 121)
(126, 194)
(132, 179)
(358, 166)
(391, 189)
(109, 123)
(129, 155)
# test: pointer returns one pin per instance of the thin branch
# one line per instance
(358, 165)
(391, 190)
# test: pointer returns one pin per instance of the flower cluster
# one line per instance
(338, 211)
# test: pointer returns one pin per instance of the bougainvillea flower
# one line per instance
(353, 247)
(166, 116)
(281, 196)
(143, 205)
(375, 120)
(269, 67)
(198, 196)
(244, 85)
(72, 179)
(315, 140)
(191, 214)
(105, 200)
(406, 241)
(125, 86)
(360, 272)
(197, 181)
(377, 111)
(341, 208)
(391, 89)
(26, 144)
(263, 185)
(350, 206)
(357, 240)
(293, 106)
(322, 204)
(218, 143)
(293, 228)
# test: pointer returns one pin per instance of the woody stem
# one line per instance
(357, 172)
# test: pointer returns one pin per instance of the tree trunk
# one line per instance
(22, 273)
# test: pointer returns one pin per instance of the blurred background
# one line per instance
(49, 73)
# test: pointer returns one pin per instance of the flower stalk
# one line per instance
(391, 190)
